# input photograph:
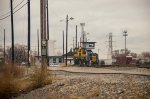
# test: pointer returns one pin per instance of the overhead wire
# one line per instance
(14, 9)
(18, 4)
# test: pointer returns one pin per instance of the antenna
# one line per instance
(125, 34)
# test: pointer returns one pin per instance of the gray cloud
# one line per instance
(101, 17)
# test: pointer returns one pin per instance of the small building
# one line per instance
(52, 60)
(120, 60)
(55, 60)
(88, 45)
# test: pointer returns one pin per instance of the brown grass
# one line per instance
(9, 85)
(13, 81)
(76, 97)
(41, 77)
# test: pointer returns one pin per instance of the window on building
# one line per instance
(54, 60)
(91, 45)
(60, 60)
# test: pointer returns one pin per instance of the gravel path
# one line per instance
(93, 86)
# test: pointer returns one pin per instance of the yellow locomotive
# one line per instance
(83, 56)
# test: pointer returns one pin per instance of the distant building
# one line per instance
(55, 60)
(51, 49)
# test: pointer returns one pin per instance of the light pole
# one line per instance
(125, 34)
(67, 19)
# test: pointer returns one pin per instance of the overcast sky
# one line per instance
(101, 17)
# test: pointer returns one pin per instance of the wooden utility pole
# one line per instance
(63, 45)
(29, 33)
(4, 46)
(47, 32)
(73, 44)
(80, 41)
(66, 37)
(12, 32)
(44, 32)
(47, 22)
(38, 42)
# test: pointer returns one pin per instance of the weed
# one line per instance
(41, 77)
(9, 86)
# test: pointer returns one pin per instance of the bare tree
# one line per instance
(20, 52)
(145, 55)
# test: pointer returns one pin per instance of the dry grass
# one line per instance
(76, 97)
(9, 84)
(13, 81)
(41, 77)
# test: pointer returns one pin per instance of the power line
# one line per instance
(13, 8)
(18, 4)
(4, 17)
(14, 11)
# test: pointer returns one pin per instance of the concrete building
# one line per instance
(55, 60)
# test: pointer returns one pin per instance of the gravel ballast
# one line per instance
(93, 86)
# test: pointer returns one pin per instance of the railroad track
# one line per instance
(59, 72)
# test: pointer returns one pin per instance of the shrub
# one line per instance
(41, 77)
(9, 86)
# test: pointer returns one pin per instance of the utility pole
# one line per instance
(125, 34)
(80, 41)
(98, 56)
(63, 46)
(29, 33)
(4, 46)
(47, 33)
(66, 37)
(38, 42)
(67, 19)
(12, 31)
(73, 44)
(44, 32)
(76, 35)
(47, 22)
